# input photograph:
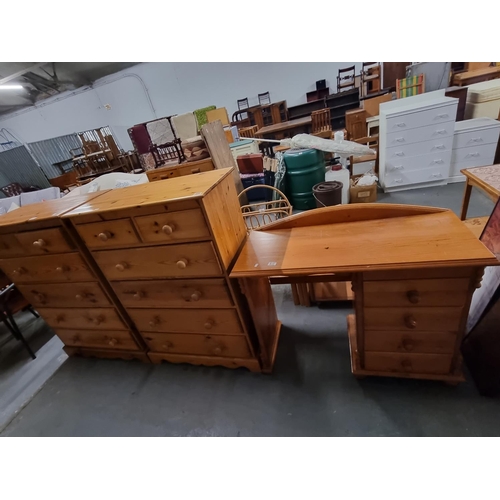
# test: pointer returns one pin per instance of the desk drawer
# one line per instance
(85, 319)
(410, 342)
(419, 148)
(421, 293)
(232, 346)
(113, 233)
(413, 318)
(423, 134)
(65, 295)
(173, 226)
(52, 268)
(192, 259)
(10, 246)
(407, 363)
(44, 241)
(222, 321)
(110, 339)
(174, 293)
(416, 119)
(474, 138)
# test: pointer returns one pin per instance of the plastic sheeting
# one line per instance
(342, 148)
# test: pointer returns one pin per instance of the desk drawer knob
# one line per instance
(413, 296)
(113, 342)
(39, 243)
(406, 364)
(407, 345)
(410, 321)
(209, 324)
(195, 296)
(61, 269)
(104, 236)
(217, 350)
(121, 266)
(138, 295)
(98, 320)
(168, 229)
(182, 263)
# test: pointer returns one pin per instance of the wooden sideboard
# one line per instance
(414, 270)
(56, 274)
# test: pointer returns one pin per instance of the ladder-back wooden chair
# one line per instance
(321, 122)
(346, 79)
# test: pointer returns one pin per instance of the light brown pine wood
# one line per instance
(44, 241)
(111, 234)
(410, 363)
(107, 339)
(410, 342)
(106, 353)
(104, 318)
(251, 363)
(10, 246)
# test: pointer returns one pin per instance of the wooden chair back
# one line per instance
(370, 78)
(320, 121)
(264, 98)
(346, 79)
(248, 131)
(413, 85)
(372, 143)
(243, 103)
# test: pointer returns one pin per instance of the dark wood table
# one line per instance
(278, 129)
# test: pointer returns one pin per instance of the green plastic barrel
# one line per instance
(304, 169)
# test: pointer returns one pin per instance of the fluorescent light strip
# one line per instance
(10, 87)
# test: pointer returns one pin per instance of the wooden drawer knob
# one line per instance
(217, 350)
(39, 243)
(168, 229)
(195, 296)
(413, 296)
(40, 297)
(138, 295)
(182, 263)
(61, 269)
(155, 321)
(406, 364)
(113, 342)
(121, 266)
(98, 320)
(104, 236)
(18, 271)
(407, 345)
(167, 345)
(60, 318)
(79, 296)
(209, 324)
(410, 321)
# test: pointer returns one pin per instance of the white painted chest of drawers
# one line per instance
(416, 140)
(474, 145)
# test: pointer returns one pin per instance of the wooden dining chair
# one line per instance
(370, 78)
(264, 98)
(243, 103)
(413, 85)
(372, 143)
(248, 131)
(320, 121)
(346, 79)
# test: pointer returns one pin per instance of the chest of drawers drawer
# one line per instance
(173, 226)
(410, 342)
(412, 318)
(109, 234)
(174, 293)
(408, 363)
(202, 345)
(483, 155)
(411, 174)
(65, 295)
(434, 116)
(191, 259)
(423, 134)
(476, 138)
(51, 268)
(417, 163)
(222, 321)
(105, 318)
(435, 146)
(10, 246)
(422, 293)
(45, 241)
(109, 339)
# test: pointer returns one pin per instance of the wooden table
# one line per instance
(476, 76)
(485, 178)
(414, 270)
(298, 125)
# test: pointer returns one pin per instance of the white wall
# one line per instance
(153, 90)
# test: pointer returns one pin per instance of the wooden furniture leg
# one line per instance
(465, 201)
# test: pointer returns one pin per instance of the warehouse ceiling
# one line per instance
(42, 80)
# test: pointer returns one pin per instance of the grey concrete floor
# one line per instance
(310, 393)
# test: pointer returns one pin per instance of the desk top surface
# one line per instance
(278, 127)
(488, 178)
(407, 242)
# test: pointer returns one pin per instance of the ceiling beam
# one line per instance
(21, 73)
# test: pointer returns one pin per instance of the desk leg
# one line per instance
(265, 320)
(465, 201)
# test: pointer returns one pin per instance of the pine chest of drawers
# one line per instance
(415, 141)
(166, 248)
(45, 259)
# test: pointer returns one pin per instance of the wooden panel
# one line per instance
(412, 318)
(234, 346)
(196, 167)
(412, 342)
(65, 295)
(173, 226)
(187, 260)
(53, 268)
(392, 71)
(106, 353)
(411, 363)
(174, 293)
(220, 321)
(110, 339)
(88, 319)
(44, 241)
(372, 105)
(10, 246)
(331, 291)
(415, 274)
(251, 363)
(355, 124)
(224, 216)
(437, 292)
(108, 234)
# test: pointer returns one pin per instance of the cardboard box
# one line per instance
(362, 194)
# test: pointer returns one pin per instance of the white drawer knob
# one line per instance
(438, 161)
(401, 125)
(168, 229)
(442, 117)
(472, 155)
(476, 139)
(439, 146)
(39, 243)
(400, 139)
(441, 131)
(182, 263)
(399, 153)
